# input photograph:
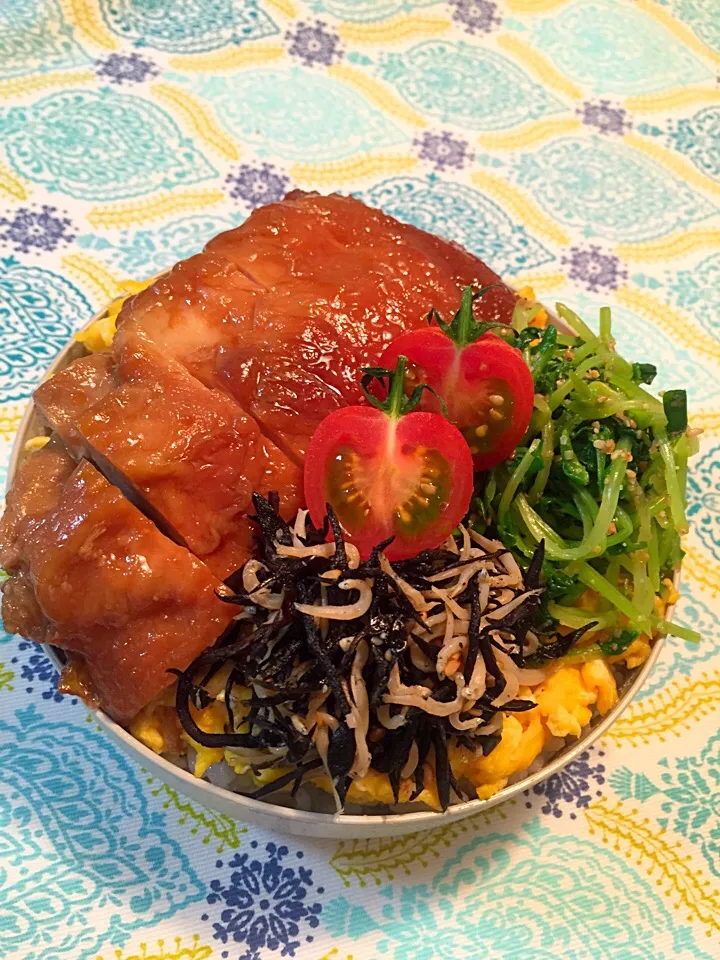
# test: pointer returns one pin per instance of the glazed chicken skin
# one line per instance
(91, 574)
(326, 283)
(218, 375)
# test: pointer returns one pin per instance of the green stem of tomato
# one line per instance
(465, 319)
(396, 395)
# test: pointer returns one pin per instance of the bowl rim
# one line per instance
(357, 824)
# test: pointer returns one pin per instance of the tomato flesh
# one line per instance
(410, 478)
(486, 385)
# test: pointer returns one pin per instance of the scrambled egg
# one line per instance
(35, 443)
(99, 335)
(541, 318)
(564, 704)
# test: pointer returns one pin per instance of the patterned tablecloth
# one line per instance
(574, 145)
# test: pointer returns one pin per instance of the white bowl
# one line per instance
(301, 823)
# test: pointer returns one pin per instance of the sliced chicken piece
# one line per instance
(188, 456)
(106, 584)
(62, 399)
(193, 314)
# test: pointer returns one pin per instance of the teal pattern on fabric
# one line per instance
(689, 788)
(38, 312)
(462, 214)
(695, 290)
(143, 253)
(187, 26)
(78, 836)
(698, 138)
(465, 85)
(704, 499)
(615, 49)
(34, 36)
(513, 896)
(702, 18)
(334, 123)
(100, 145)
(365, 11)
(679, 657)
(609, 190)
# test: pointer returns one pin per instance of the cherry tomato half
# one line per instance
(486, 385)
(406, 476)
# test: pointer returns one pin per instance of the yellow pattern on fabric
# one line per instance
(520, 204)
(707, 420)
(162, 205)
(380, 861)
(10, 416)
(174, 951)
(671, 710)
(208, 825)
(672, 321)
(378, 94)
(539, 282)
(671, 161)
(677, 29)
(11, 185)
(335, 954)
(528, 58)
(697, 566)
(675, 245)
(198, 116)
(664, 860)
(530, 134)
(84, 15)
(21, 86)
(355, 168)
(92, 274)
(534, 6)
(232, 59)
(6, 678)
(285, 7)
(671, 99)
(406, 27)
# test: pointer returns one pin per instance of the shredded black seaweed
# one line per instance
(286, 658)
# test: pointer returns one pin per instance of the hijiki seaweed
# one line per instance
(353, 665)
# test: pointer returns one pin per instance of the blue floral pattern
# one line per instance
(574, 786)
(73, 809)
(100, 145)
(265, 904)
(187, 26)
(462, 214)
(615, 49)
(468, 86)
(608, 190)
(38, 312)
